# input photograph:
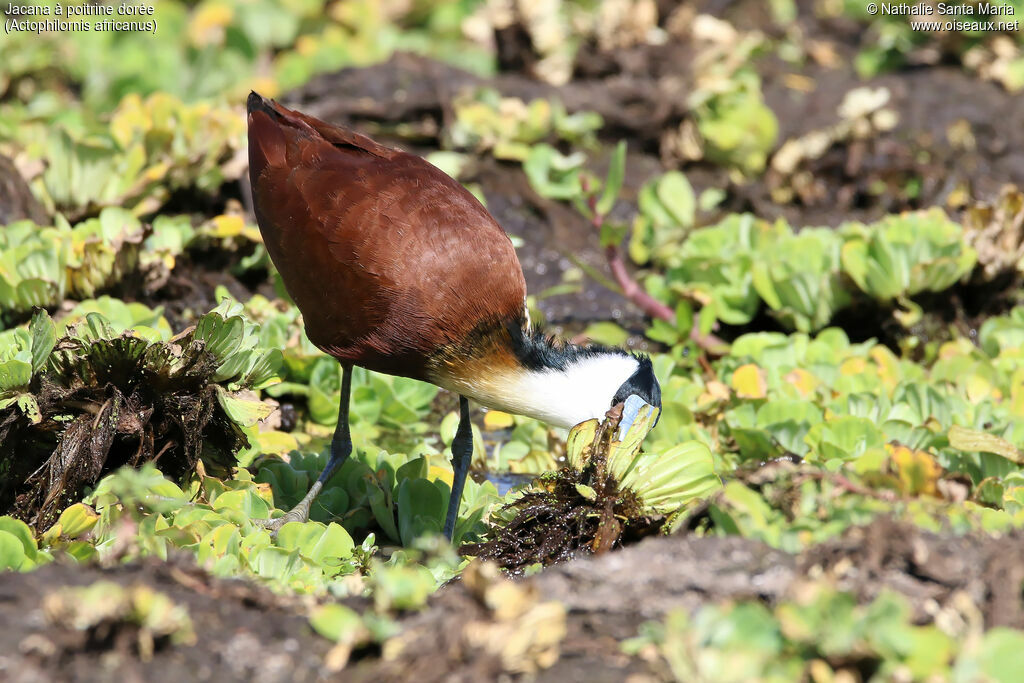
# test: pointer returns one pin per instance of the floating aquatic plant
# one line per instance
(610, 489)
(98, 398)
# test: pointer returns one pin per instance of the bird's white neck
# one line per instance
(561, 397)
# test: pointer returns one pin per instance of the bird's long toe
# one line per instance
(274, 525)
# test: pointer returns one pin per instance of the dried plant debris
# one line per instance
(500, 628)
(106, 615)
(74, 410)
(865, 117)
(996, 231)
(543, 36)
(609, 493)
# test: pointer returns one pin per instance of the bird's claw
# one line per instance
(274, 525)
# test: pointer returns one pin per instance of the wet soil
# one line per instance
(189, 290)
(16, 199)
(245, 632)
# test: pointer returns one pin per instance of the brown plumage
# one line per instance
(397, 268)
(389, 259)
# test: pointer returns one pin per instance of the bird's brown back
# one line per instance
(388, 258)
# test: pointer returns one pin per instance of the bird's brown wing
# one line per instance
(387, 257)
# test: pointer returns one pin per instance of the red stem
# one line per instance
(630, 289)
(633, 291)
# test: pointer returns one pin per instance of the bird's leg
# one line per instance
(341, 448)
(462, 454)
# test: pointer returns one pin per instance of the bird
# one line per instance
(399, 269)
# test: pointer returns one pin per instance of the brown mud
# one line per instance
(574, 615)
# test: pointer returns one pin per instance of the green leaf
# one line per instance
(247, 502)
(18, 548)
(244, 412)
(665, 482)
(613, 183)
(12, 552)
(72, 523)
(421, 509)
(338, 623)
(551, 174)
(1000, 657)
(677, 196)
(44, 336)
(15, 374)
(333, 545)
(974, 441)
(30, 408)
(607, 333)
(275, 563)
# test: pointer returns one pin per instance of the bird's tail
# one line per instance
(266, 115)
(268, 145)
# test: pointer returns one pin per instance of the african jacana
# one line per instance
(397, 268)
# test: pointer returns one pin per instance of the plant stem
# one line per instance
(630, 289)
(633, 291)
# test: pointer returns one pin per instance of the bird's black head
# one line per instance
(643, 383)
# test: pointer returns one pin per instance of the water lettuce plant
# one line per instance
(608, 490)
(40, 266)
(804, 278)
(151, 147)
(98, 398)
(800, 281)
(904, 255)
(395, 496)
(509, 128)
(822, 633)
(734, 126)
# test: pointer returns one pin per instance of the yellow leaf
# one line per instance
(917, 471)
(208, 23)
(265, 86)
(853, 366)
(955, 349)
(888, 365)
(749, 382)
(1017, 393)
(978, 389)
(129, 120)
(226, 226)
(77, 519)
(156, 172)
(306, 46)
(714, 392)
(252, 233)
(442, 473)
(804, 381)
(277, 442)
(717, 390)
(973, 441)
(495, 420)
